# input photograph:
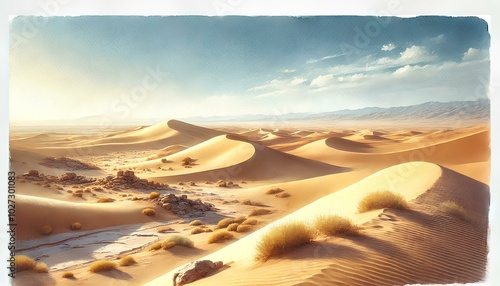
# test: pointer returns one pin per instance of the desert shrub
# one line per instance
(223, 223)
(187, 161)
(127, 261)
(239, 219)
(192, 183)
(274, 191)
(167, 245)
(164, 229)
(102, 265)
(181, 241)
(153, 195)
(197, 230)
(180, 183)
(244, 228)
(259, 211)
(246, 202)
(24, 263)
(208, 230)
(149, 211)
(105, 200)
(75, 226)
(335, 225)
(41, 267)
(382, 200)
(196, 223)
(78, 194)
(164, 160)
(453, 209)
(282, 239)
(232, 227)
(283, 195)
(155, 246)
(220, 235)
(250, 221)
(68, 274)
(46, 229)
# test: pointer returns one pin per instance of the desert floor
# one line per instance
(323, 170)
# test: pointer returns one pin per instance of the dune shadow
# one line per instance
(377, 245)
(325, 249)
(116, 274)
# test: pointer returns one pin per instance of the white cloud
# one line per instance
(288, 71)
(388, 47)
(278, 87)
(325, 58)
(473, 55)
(298, 80)
(322, 80)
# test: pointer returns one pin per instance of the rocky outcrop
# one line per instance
(194, 271)
(182, 206)
(128, 180)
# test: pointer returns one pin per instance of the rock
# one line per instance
(129, 174)
(119, 173)
(68, 177)
(32, 173)
(194, 271)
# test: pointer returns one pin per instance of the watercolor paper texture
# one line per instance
(141, 144)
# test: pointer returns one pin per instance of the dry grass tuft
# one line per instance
(41, 267)
(250, 221)
(453, 209)
(68, 274)
(196, 223)
(155, 246)
(167, 245)
(197, 230)
(75, 226)
(149, 211)
(164, 229)
(102, 265)
(232, 227)
(187, 161)
(208, 230)
(282, 239)
(336, 225)
(382, 200)
(259, 211)
(153, 195)
(220, 235)
(24, 263)
(244, 228)
(283, 195)
(223, 223)
(181, 241)
(127, 261)
(105, 200)
(46, 229)
(274, 191)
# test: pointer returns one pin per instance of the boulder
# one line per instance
(194, 271)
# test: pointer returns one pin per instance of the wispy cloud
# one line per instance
(325, 58)
(388, 47)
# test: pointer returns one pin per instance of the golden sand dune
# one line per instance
(391, 248)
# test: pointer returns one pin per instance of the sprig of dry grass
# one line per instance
(197, 230)
(259, 211)
(244, 228)
(232, 227)
(382, 200)
(164, 229)
(196, 223)
(181, 241)
(102, 265)
(250, 221)
(24, 263)
(155, 246)
(220, 235)
(282, 239)
(274, 191)
(41, 267)
(68, 275)
(127, 261)
(453, 209)
(335, 225)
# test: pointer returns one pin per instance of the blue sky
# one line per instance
(174, 67)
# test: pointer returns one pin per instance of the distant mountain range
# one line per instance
(464, 110)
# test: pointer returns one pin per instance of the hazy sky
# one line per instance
(174, 67)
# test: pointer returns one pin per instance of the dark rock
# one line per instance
(194, 271)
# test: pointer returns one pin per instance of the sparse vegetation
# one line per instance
(76, 226)
(232, 227)
(105, 200)
(41, 267)
(127, 261)
(164, 229)
(274, 191)
(336, 225)
(149, 211)
(187, 161)
(164, 160)
(283, 195)
(282, 239)
(155, 246)
(382, 200)
(220, 235)
(223, 223)
(244, 228)
(68, 274)
(153, 195)
(102, 265)
(453, 209)
(250, 221)
(181, 241)
(259, 211)
(197, 230)
(24, 263)
(167, 244)
(46, 229)
(248, 202)
(196, 223)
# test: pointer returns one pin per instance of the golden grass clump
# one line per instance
(283, 195)
(167, 245)
(382, 200)
(187, 161)
(282, 239)
(233, 226)
(41, 267)
(24, 263)
(208, 230)
(197, 230)
(75, 226)
(259, 211)
(220, 235)
(46, 229)
(68, 274)
(164, 229)
(127, 261)
(274, 191)
(181, 241)
(223, 223)
(335, 225)
(153, 195)
(453, 209)
(149, 211)
(102, 265)
(105, 200)
(244, 228)
(196, 223)
(155, 246)
(250, 221)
